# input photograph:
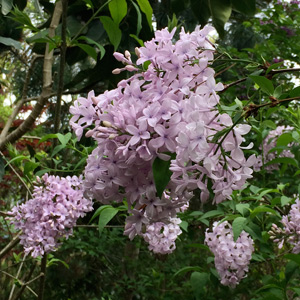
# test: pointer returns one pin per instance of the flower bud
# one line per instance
(106, 124)
(131, 68)
(137, 52)
(127, 54)
(116, 71)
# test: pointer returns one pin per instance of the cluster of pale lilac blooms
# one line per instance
(161, 237)
(168, 106)
(231, 257)
(291, 230)
(51, 214)
(268, 144)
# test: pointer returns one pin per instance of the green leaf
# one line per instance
(42, 172)
(10, 42)
(64, 139)
(238, 225)
(161, 174)
(242, 208)
(254, 230)
(141, 43)
(261, 209)
(296, 290)
(246, 7)
(88, 49)
(118, 10)
(265, 84)
(184, 225)
(187, 269)
(98, 212)
(105, 216)
(22, 18)
(212, 213)
(285, 200)
(90, 41)
(278, 91)
(269, 123)
(290, 269)
(47, 137)
(57, 149)
(147, 10)
(18, 159)
(139, 19)
(220, 11)
(53, 261)
(198, 281)
(172, 23)
(274, 66)
(6, 6)
(283, 160)
(89, 3)
(295, 92)
(284, 139)
(293, 257)
(113, 31)
(29, 167)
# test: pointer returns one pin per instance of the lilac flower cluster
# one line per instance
(161, 237)
(231, 258)
(289, 31)
(168, 106)
(51, 214)
(268, 144)
(262, 22)
(291, 231)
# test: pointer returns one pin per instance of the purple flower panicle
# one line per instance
(231, 258)
(51, 214)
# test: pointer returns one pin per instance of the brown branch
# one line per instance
(17, 174)
(43, 277)
(224, 70)
(252, 108)
(17, 278)
(227, 86)
(10, 245)
(19, 105)
(47, 83)
(26, 282)
(63, 49)
(272, 72)
(284, 70)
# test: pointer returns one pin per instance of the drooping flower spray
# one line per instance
(168, 107)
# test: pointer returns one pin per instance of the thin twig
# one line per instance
(252, 109)
(47, 84)
(22, 101)
(10, 245)
(24, 285)
(89, 21)
(227, 86)
(17, 278)
(4, 214)
(224, 70)
(13, 265)
(31, 137)
(27, 287)
(43, 277)
(63, 49)
(18, 175)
